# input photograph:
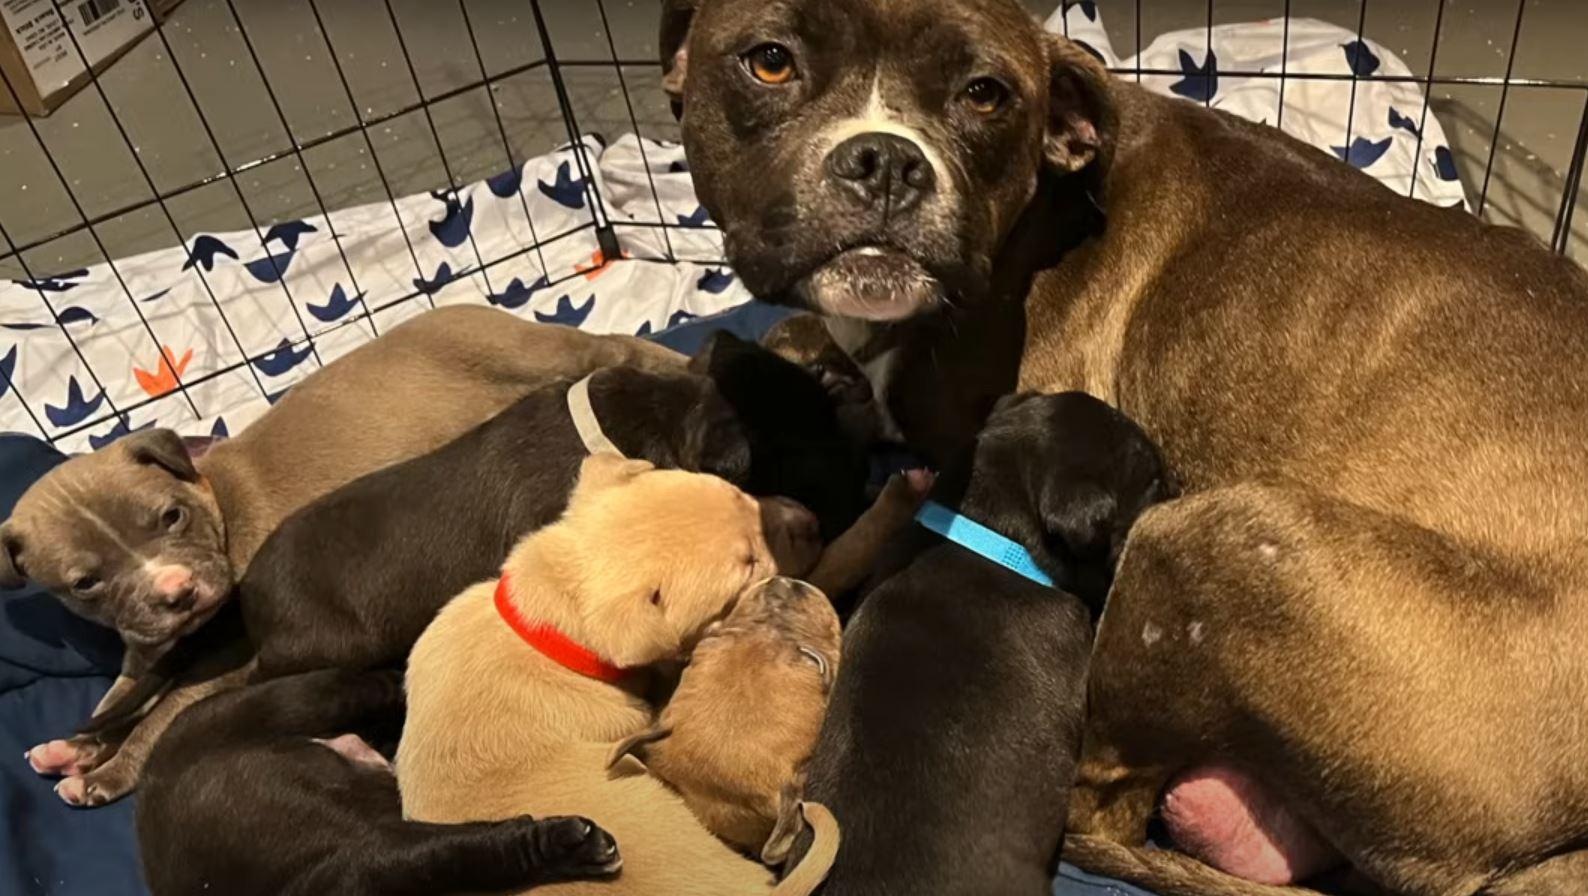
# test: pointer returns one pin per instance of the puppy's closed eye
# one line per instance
(820, 662)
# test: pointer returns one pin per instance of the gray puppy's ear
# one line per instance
(161, 448)
(11, 575)
(677, 16)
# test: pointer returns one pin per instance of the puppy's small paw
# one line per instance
(94, 789)
(572, 847)
(67, 758)
(72, 791)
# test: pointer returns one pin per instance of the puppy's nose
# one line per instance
(174, 587)
(886, 168)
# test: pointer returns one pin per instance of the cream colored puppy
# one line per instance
(519, 688)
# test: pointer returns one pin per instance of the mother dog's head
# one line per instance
(869, 158)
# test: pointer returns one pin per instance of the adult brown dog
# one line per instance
(145, 539)
(1375, 405)
(519, 688)
(736, 734)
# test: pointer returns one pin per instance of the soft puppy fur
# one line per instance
(272, 790)
(950, 739)
(642, 563)
(734, 738)
(142, 537)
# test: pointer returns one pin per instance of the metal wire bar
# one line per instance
(435, 134)
(1499, 116)
(1284, 68)
(1428, 96)
(606, 237)
(507, 145)
(286, 127)
(1350, 114)
(1562, 235)
(634, 122)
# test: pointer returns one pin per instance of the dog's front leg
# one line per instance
(117, 775)
(86, 751)
(418, 859)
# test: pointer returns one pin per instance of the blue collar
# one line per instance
(978, 539)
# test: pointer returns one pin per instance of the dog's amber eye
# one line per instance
(986, 95)
(770, 64)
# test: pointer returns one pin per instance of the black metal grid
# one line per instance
(605, 229)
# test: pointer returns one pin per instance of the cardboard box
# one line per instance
(39, 58)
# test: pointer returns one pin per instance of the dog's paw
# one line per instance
(93, 789)
(572, 847)
(67, 758)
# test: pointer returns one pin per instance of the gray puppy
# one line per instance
(142, 537)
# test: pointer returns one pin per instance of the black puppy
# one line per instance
(799, 447)
(221, 807)
(352, 580)
(950, 740)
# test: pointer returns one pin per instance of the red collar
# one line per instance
(560, 648)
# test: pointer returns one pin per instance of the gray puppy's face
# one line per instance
(129, 536)
(869, 158)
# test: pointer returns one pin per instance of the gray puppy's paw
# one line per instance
(97, 788)
(71, 757)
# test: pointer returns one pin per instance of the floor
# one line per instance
(218, 114)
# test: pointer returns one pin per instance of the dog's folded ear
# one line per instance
(1082, 122)
(677, 15)
(11, 575)
(161, 448)
(635, 744)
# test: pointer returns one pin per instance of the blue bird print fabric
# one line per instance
(220, 328)
(1382, 127)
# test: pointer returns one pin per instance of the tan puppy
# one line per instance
(143, 538)
(735, 736)
(519, 688)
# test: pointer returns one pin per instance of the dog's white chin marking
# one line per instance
(877, 118)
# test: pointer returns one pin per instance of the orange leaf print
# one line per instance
(164, 379)
(597, 266)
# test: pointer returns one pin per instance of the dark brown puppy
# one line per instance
(221, 809)
(1268, 315)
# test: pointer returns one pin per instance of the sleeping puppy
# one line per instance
(950, 741)
(519, 688)
(143, 538)
(264, 791)
(734, 738)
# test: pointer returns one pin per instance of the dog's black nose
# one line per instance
(882, 168)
